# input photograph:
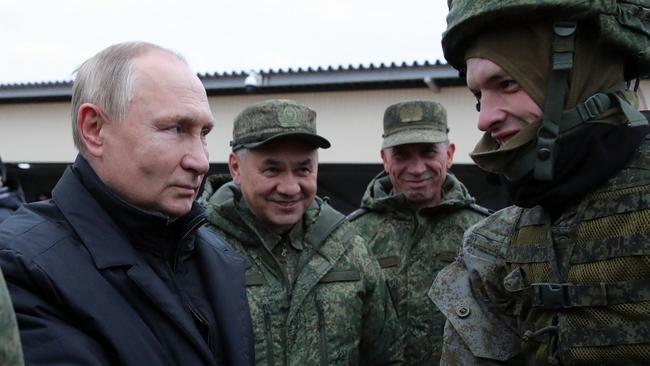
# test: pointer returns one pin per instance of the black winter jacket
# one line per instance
(90, 288)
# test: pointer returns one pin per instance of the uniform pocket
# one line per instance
(268, 329)
(322, 330)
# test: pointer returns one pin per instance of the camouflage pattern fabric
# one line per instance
(412, 246)
(415, 122)
(573, 291)
(261, 123)
(337, 312)
(11, 353)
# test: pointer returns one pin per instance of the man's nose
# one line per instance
(490, 113)
(288, 186)
(417, 166)
(196, 157)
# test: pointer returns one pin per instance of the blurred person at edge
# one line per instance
(11, 195)
(116, 268)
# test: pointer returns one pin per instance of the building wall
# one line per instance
(351, 120)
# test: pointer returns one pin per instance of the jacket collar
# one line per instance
(379, 196)
(108, 225)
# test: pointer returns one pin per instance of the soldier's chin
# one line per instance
(416, 197)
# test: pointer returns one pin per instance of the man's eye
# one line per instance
(478, 106)
(509, 85)
(175, 129)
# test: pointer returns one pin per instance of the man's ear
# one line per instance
(450, 154)
(384, 158)
(233, 167)
(90, 122)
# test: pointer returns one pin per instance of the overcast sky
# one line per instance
(44, 40)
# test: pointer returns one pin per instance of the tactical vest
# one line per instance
(582, 284)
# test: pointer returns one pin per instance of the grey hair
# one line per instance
(107, 80)
(241, 153)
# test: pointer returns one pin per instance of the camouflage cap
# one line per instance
(270, 120)
(414, 122)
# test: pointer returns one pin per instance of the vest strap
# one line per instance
(549, 295)
(556, 89)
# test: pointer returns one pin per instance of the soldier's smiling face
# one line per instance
(418, 170)
(505, 108)
(277, 180)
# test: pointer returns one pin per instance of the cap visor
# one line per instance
(420, 136)
(308, 138)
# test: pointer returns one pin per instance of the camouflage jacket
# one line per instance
(11, 353)
(336, 312)
(412, 246)
(574, 291)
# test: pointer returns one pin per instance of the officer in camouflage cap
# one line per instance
(316, 295)
(413, 215)
(10, 350)
(562, 277)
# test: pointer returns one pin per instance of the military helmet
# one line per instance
(623, 24)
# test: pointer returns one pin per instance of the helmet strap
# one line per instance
(556, 90)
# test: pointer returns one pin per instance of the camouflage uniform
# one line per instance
(10, 350)
(412, 246)
(330, 308)
(601, 312)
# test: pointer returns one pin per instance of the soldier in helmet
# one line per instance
(562, 277)
(316, 295)
(414, 214)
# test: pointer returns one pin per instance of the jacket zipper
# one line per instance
(269, 336)
(324, 359)
(203, 321)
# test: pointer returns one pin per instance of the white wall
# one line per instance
(351, 120)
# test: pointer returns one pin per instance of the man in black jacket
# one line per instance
(115, 269)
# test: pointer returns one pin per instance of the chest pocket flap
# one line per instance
(341, 276)
(388, 262)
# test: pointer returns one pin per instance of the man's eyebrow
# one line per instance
(271, 161)
(184, 120)
(305, 162)
(494, 78)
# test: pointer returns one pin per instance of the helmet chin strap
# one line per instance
(555, 119)
(556, 90)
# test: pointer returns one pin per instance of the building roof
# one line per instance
(393, 75)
